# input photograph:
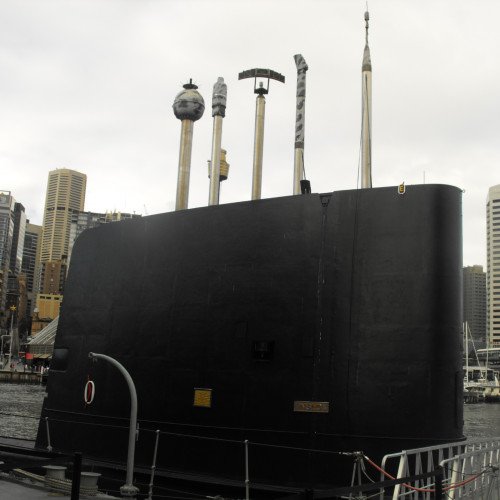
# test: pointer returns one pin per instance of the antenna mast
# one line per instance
(219, 97)
(366, 124)
(188, 107)
(260, 110)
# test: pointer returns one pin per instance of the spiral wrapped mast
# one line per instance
(298, 171)
(219, 98)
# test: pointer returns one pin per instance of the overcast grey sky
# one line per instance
(89, 85)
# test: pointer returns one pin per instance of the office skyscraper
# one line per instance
(65, 196)
(16, 253)
(474, 285)
(493, 272)
(88, 220)
(6, 235)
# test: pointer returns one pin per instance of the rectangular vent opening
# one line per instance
(263, 350)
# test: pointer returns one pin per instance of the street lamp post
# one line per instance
(1, 351)
(12, 311)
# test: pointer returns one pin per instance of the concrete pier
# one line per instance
(16, 377)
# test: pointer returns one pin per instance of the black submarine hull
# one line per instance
(327, 322)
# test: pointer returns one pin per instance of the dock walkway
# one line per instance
(14, 490)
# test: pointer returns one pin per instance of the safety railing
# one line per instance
(453, 470)
(465, 456)
(475, 474)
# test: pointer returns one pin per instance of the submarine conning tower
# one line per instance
(188, 107)
(285, 333)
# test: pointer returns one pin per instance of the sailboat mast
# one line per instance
(466, 350)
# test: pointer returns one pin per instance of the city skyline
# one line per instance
(91, 89)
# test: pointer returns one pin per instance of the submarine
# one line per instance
(283, 335)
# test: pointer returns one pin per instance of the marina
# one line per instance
(481, 372)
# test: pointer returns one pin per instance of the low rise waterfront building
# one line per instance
(48, 305)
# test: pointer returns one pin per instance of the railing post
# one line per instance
(49, 447)
(77, 471)
(439, 473)
(153, 466)
(247, 475)
(128, 489)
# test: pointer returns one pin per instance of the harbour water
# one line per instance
(20, 407)
(482, 420)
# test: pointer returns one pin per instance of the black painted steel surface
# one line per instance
(354, 298)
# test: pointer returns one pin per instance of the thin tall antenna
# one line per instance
(367, 18)
(366, 121)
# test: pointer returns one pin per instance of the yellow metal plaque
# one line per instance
(311, 406)
(203, 398)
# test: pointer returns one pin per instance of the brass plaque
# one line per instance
(203, 398)
(312, 406)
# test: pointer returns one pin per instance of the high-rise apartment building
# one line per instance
(65, 196)
(88, 220)
(31, 263)
(493, 271)
(474, 288)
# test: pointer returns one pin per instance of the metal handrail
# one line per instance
(128, 489)
(464, 468)
(481, 466)
(445, 453)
